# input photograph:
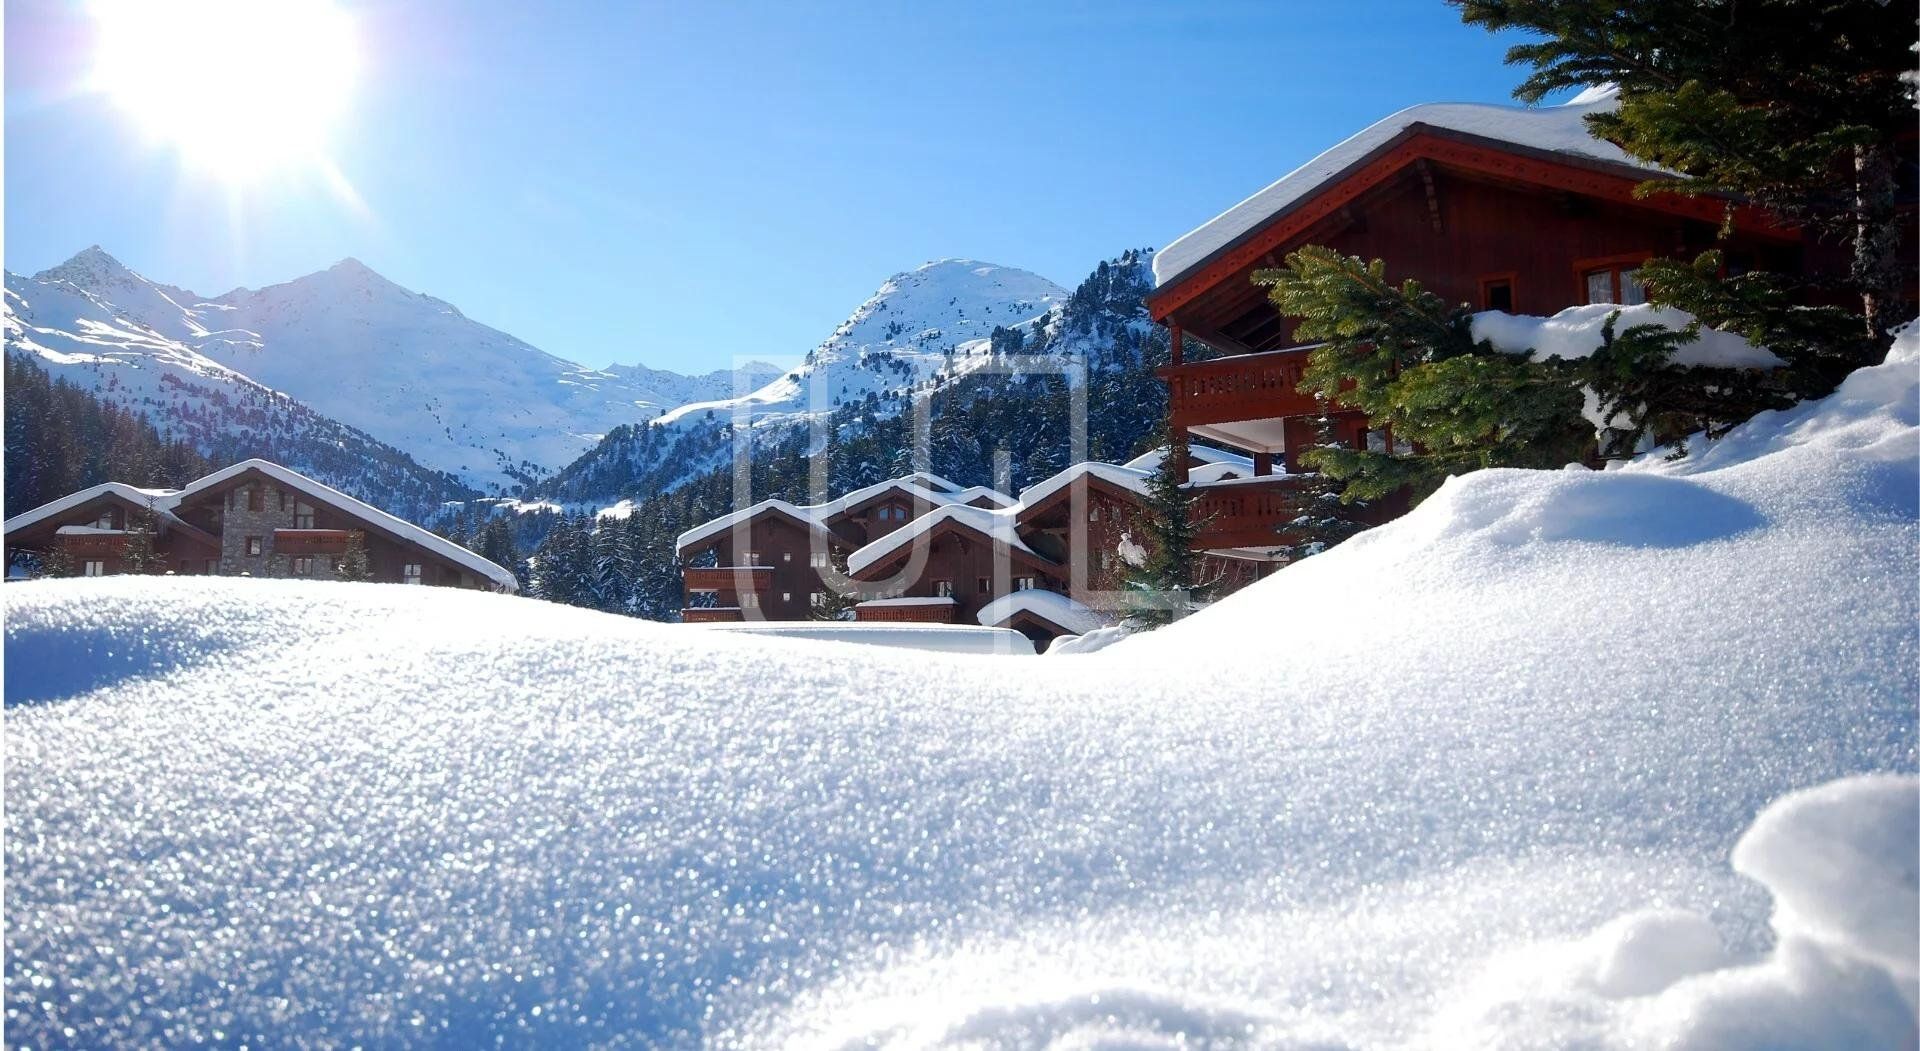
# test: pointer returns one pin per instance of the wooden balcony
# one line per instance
(728, 578)
(1238, 387)
(310, 541)
(94, 545)
(1255, 513)
(710, 614)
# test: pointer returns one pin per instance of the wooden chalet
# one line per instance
(1500, 208)
(255, 518)
(922, 550)
(772, 561)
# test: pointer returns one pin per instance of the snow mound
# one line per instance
(1470, 780)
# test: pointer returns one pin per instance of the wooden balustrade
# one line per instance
(1238, 387)
(710, 615)
(728, 578)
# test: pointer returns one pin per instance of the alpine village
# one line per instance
(1459, 595)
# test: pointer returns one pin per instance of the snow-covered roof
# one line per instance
(1050, 605)
(164, 501)
(400, 527)
(82, 530)
(1557, 129)
(907, 600)
(1149, 461)
(996, 524)
(1126, 477)
(158, 498)
(922, 486)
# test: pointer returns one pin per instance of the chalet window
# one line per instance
(786, 596)
(786, 556)
(96, 569)
(303, 566)
(184, 568)
(255, 501)
(410, 573)
(819, 560)
(282, 494)
(985, 586)
(1023, 583)
(302, 516)
(817, 599)
(749, 600)
(1093, 513)
(1615, 284)
(1496, 293)
(105, 521)
(253, 545)
(943, 588)
(213, 566)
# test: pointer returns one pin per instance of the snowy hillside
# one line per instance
(84, 340)
(1562, 759)
(929, 330)
(407, 368)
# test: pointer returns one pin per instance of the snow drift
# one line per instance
(1538, 765)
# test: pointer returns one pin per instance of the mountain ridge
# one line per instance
(408, 368)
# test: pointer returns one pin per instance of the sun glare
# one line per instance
(239, 87)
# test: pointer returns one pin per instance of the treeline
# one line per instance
(60, 438)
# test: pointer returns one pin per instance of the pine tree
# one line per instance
(612, 567)
(139, 555)
(354, 564)
(1798, 105)
(1168, 585)
(1325, 517)
(58, 562)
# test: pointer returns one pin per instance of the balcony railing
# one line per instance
(1257, 512)
(710, 614)
(728, 578)
(1238, 387)
(310, 541)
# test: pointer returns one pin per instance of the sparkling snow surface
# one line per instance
(1474, 779)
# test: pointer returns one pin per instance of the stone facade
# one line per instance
(240, 524)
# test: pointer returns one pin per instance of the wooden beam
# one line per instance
(1433, 195)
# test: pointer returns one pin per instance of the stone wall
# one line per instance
(239, 523)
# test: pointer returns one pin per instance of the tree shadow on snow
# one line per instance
(53, 663)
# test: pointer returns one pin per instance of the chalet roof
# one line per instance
(1555, 129)
(159, 499)
(994, 524)
(1050, 606)
(166, 500)
(923, 486)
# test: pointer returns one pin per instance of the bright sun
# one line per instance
(239, 87)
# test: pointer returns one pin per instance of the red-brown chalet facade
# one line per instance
(255, 518)
(1499, 208)
(920, 549)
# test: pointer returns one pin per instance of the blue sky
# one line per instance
(684, 185)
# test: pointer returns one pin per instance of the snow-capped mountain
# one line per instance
(409, 369)
(930, 323)
(922, 329)
(82, 339)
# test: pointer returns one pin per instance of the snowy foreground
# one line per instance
(1562, 759)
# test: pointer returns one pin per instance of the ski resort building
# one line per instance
(255, 518)
(1518, 210)
(920, 549)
